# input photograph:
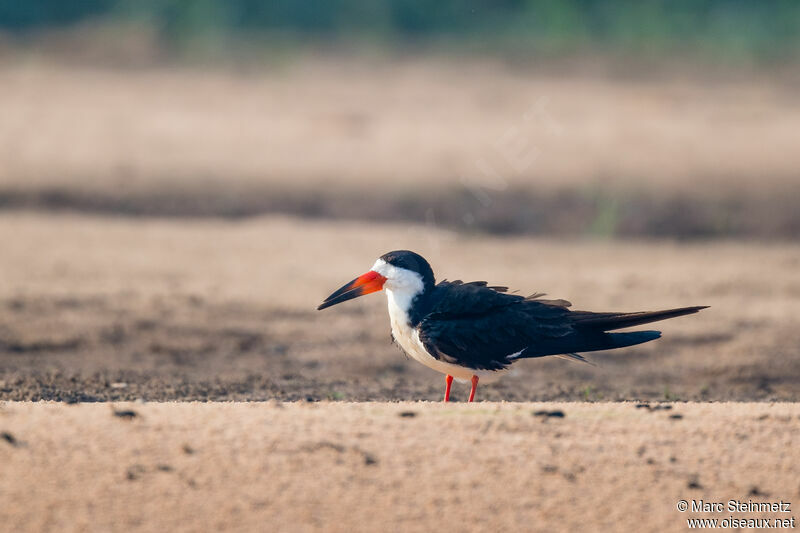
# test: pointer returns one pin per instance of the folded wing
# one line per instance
(482, 327)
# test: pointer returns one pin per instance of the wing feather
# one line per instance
(479, 326)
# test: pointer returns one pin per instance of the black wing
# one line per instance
(482, 327)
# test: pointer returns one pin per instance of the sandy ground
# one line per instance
(147, 255)
(110, 308)
(472, 144)
(390, 467)
(398, 123)
(136, 266)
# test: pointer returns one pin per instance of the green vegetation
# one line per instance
(768, 30)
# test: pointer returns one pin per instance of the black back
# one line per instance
(474, 325)
(483, 327)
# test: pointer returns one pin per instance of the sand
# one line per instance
(168, 233)
(470, 144)
(411, 466)
(204, 310)
(394, 123)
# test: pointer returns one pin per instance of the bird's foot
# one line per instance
(449, 381)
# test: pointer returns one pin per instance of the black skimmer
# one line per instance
(470, 330)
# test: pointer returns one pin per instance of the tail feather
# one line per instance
(612, 321)
(588, 342)
(575, 357)
(590, 332)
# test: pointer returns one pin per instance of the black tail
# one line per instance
(588, 341)
(612, 321)
(590, 332)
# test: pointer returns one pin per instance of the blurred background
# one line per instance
(181, 182)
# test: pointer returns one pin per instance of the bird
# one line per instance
(469, 330)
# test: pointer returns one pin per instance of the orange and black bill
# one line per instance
(369, 282)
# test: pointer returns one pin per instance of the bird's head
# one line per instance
(400, 271)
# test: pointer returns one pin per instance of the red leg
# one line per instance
(449, 380)
(474, 388)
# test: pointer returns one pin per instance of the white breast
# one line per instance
(408, 338)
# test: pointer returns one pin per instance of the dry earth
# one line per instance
(95, 308)
(208, 305)
(396, 123)
(390, 467)
(473, 144)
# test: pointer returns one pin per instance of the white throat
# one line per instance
(401, 287)
(399, 304)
